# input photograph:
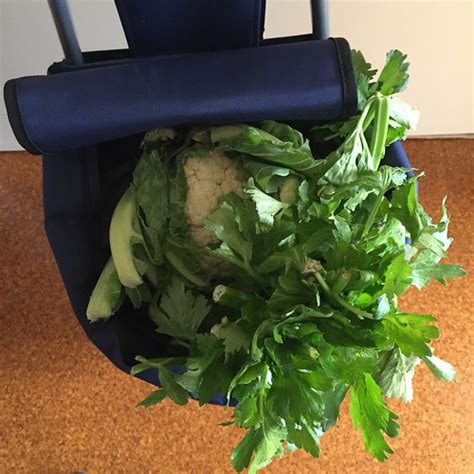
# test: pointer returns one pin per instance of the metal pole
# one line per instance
(320, 16)
(67, 34)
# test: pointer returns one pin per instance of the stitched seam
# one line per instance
(20, 116)
(256, 24)
(343, 77)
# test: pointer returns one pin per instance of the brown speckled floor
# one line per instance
(64, 407)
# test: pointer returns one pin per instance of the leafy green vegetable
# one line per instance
(123, 234)
(150, 180)
(173, 390)
(153, 398)
(180, 312)
(232, 335)
(371, 415)
(394, 77)
(396, 375)
(290, 151)
(107, 295)
(410, 332)
(267, 206)
(441, 369)
(287, 300)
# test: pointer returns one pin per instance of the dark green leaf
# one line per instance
(348, 365)
(242, 453)
(405, 207)
(291, 291)
(216, 377)
(305, 436)
(361, 66)
(177, 393)
(412, 333)
(232, 335)
(180, 313)
(153, 398)
(394, 76)
(332, 402)
(371, 416)
(397, 276)
(246, 413)
(150, 178)
(259, 143)
(257, 449)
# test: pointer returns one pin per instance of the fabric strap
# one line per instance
(187, 26)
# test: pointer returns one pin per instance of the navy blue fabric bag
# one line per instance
(88, 121)
(181, 26)
(309, 80)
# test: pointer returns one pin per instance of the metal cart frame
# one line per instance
(72, 50)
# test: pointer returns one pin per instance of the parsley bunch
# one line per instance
(319, 251)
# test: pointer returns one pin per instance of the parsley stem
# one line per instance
(373, 212)
(341, 282)
(261, 402)
(341, 301)
(255, 351)
(368, 117)
(379, 133)
(248, 269)
(230, 297)
(178, 264)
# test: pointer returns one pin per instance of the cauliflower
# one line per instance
(208, 179)
(177, 183)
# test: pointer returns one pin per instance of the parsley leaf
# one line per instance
(426, 266)
(370, 415)
(174, 391)
(412, 333)
(257, 449)
(267, 206)
(394, 76)
(234, 338)
(441, 369)
(180, 312)
(153, 398)
(396, 375)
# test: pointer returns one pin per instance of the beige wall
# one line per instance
(436, 34)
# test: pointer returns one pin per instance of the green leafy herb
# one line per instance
(275, 275)
(371, 416)
(180, 312)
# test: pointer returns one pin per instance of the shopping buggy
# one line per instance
(183, 66)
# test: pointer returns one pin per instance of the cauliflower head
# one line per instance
(208, 178)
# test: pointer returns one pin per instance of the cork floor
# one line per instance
(64, 407)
